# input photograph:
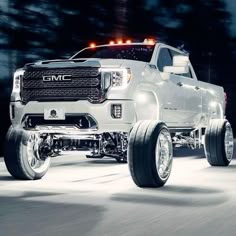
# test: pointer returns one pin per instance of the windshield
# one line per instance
(129, 52)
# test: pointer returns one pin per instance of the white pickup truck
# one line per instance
(135, 100)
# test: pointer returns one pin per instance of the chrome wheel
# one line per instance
(164, 154)
(35, 162)
(229, 142)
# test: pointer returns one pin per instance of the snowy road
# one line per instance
(83, 197)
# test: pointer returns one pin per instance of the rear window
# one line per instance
(129, 52)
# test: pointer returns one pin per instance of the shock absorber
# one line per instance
(45, 148)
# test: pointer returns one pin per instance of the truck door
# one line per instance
(174, 97)
(192, 90)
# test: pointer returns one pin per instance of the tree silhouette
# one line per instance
(141, 20)
(48, 29)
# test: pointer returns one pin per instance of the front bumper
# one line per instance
(100, 112)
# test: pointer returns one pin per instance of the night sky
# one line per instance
(231, 7)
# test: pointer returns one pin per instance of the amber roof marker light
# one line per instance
(92, 45)
(149, 41)
(119, 41)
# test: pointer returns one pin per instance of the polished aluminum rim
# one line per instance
(229, 142)
(34, 160)
(164, 154)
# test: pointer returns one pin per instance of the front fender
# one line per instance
(146, 105)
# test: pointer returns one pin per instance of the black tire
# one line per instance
(215, 148)
(16, 156)
(142, 153)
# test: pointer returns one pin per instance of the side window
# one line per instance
(189, 74)
(164, 59)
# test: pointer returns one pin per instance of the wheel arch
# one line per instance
(215, 110)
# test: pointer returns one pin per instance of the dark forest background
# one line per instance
(46, 29)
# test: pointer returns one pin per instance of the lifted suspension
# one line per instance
(100, 145)
(193, 140)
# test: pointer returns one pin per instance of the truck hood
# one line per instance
(93, 62)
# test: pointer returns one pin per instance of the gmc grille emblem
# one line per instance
(50, 78)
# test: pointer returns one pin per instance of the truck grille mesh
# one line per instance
(85, 84)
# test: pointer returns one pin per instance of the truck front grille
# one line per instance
(85, 84)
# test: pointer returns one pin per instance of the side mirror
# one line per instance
(180, 65)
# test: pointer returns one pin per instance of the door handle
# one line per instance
(179, 84)
(197, 88)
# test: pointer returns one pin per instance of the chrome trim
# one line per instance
(229, 142)
(164, 154)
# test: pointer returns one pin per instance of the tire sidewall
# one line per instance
(215, 142)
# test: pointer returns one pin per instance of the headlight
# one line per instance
(115, 78)
(17, 79)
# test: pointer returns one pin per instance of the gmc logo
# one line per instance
(51, 78)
